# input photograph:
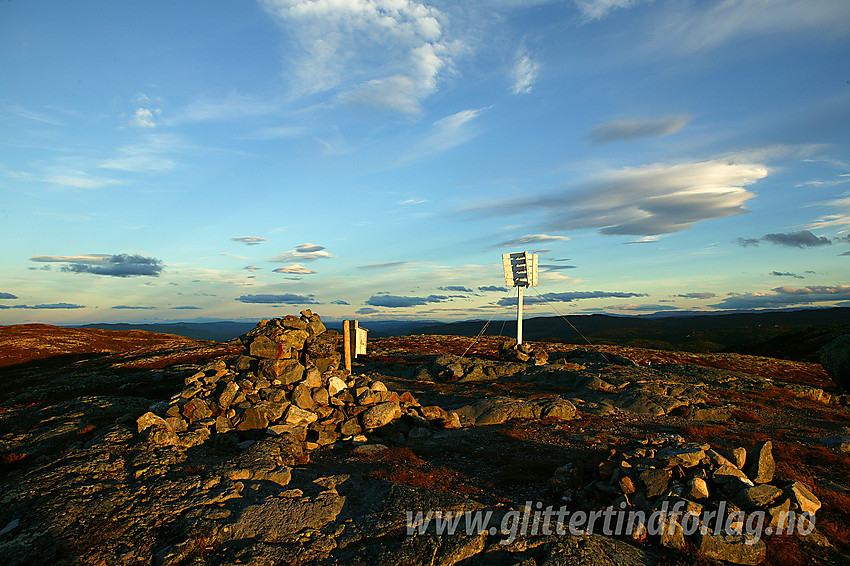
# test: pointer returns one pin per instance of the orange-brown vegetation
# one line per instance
(11, 458)
(86, 429)
(24, 342)
(400, 465)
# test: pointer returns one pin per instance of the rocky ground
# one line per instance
(89, 475)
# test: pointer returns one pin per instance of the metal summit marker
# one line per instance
(520, 272)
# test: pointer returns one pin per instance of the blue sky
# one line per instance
(228, 160)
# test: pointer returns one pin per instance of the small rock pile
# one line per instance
(654, 475)
(287, 381)
(510, 351)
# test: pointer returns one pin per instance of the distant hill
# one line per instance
(227, 330)
(216, 331)
(794, 335)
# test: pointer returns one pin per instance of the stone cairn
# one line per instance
(509, 351)
(288, 381)
(654, 473)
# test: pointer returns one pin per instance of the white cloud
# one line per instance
(275, 133)
(294, 268)
(447, 133)
(623, 130)
(36, 116)
(838, 219)
(150, 155)
(531, 239)
(307, 247)
(645, 240)
(384, 265)
(80, 258)
(381, 53)
(555, 277)
(146, 113)
(524, 73)
(249, 240)
(645, 201)
(597, 9)
(304, 252)
(709, 25)
(782, 297)
(231, 107)
(144, 117)
(79, 180)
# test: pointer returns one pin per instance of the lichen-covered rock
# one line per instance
(335, 386)
(320, 351)
(253, 419)
(264, 347)
(596, 550)
(149, 420)
(312, 323)
(277, 518)
(760, 465)
(497, 410)
(806, 501)
(761, 495)
(737, 549)
(380, 414)
(302, 396)
(286, 370)
(298, 416)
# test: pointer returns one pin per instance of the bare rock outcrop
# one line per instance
(835, 359)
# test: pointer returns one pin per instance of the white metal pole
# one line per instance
(519, 317)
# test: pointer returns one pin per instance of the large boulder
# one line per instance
(380, 414)
(835, 359)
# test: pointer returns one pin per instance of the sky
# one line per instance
(164, 161)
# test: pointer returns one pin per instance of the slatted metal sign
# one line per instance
(520, 269)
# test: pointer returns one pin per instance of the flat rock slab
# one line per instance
(597, 550)
(500, 409)
(737, 549)
(421, 549)
(278, 517)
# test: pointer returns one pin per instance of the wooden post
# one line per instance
(346, 344)
(519, 316)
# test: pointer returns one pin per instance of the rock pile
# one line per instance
(692, 487)
(287, 381)
(510, 351)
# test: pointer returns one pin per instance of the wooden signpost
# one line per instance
(354, 340)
